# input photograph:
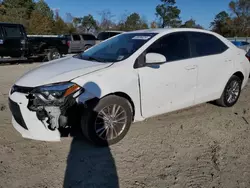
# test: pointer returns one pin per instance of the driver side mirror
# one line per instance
(155, 59)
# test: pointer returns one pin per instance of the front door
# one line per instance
(172, 85)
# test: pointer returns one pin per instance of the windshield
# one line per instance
(118, 48)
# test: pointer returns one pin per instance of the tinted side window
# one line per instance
(113, 34)
(88, 37)
(103, 36)
(12, 31)
(76, 37)
(174, 47)
(203, 44)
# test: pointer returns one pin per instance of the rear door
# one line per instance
(76, 44)
(14, 40)
(214, 61)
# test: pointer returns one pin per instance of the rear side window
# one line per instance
(88, 37)
(174, 47)
(76, 37)
(203, 44)
(12, 31)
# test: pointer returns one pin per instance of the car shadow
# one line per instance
(89, 165)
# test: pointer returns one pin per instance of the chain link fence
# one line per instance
(247, 39)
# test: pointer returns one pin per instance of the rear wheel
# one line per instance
(108, 121)
(231, 92)
(53, 54)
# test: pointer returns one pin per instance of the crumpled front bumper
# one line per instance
(26, 121)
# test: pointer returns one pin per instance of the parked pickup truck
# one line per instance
(80, 42)
(15, 44)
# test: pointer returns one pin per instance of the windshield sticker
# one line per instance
(141, 37)
(120, 57)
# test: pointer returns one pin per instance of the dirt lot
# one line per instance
(205, 146)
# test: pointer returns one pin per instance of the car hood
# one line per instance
(59, 70)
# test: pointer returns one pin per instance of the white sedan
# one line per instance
(127, 78)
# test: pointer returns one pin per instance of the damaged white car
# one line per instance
(127, 78)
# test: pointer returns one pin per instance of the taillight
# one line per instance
(68, 43)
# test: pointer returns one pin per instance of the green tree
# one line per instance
(42, 7)
(24, 6)
(38, 28)
(106, 20)
(153, 25)
(241, 15)
(191, 24)
(60, 27)
(77, 21)
(2, 10)
(168, 14)
(89, 23)
(221, 24)
(71, 29)
(134, 22)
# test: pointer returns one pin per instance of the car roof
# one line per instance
(170, 30)
(112, 31)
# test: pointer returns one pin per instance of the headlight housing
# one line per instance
(56, 91)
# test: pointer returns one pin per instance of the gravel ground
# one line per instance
(204, 146)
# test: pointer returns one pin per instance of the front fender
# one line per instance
(101, 84)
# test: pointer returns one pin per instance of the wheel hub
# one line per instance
(233, 91)
(110, 122)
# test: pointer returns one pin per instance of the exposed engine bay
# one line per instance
(53, 114)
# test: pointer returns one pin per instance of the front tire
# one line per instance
(231, 92)
(108, 121)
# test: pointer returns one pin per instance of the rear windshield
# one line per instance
(12, 31)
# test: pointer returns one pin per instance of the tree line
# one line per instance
(39, 18)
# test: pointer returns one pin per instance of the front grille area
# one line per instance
(16, 112)
(21, 89)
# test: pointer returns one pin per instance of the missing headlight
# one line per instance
(51, 105)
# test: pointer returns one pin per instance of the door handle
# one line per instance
(191, 67)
